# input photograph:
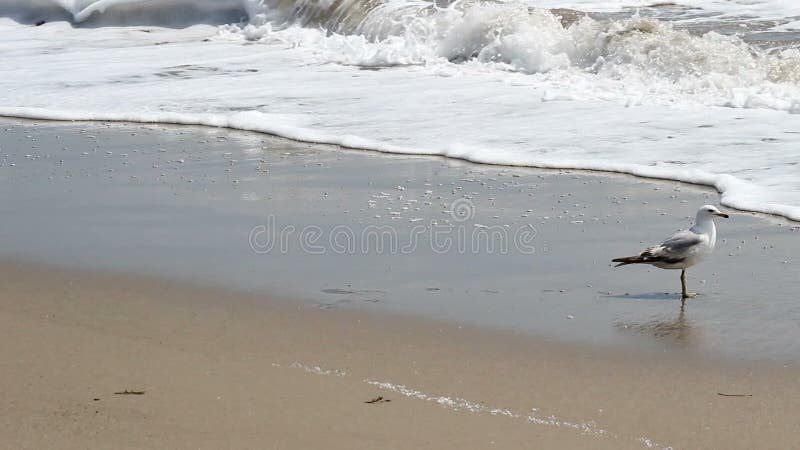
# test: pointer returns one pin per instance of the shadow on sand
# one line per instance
(648, 296)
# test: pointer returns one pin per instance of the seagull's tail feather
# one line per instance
(628, 260)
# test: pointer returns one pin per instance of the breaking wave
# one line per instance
(631, 56)
(626, 57)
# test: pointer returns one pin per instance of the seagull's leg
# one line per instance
(683, 284)
(684, 294)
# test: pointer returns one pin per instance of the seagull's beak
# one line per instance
(723, 215)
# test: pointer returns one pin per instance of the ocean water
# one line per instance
(703, 91)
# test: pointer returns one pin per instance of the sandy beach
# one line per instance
(127, 267)
(221, 369)
(393, 224)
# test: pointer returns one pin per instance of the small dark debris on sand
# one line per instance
(734, 395)
(127, 392)
(378, 400)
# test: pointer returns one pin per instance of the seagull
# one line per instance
(683, 249)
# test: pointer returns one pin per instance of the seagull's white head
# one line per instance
(709, 211)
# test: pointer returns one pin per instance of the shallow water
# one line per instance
(199, 204)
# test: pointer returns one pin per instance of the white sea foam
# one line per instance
(534, 416)
(486, 82)
(307, 11)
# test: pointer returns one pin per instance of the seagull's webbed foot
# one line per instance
(684, 294)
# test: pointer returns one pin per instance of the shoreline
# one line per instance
(151, 321)
(267, 302)
(135, 199)
(713, 181)
(217, 365)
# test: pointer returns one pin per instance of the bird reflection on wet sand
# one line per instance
(678, 331)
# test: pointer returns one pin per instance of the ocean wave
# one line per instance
(489, 82)
(344, 16)
(171, 13)
(634, 56)
(637, 56)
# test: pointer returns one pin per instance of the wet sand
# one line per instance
(391, 234)
(130, 264)
(225, 369)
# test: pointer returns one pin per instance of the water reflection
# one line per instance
(679, 331)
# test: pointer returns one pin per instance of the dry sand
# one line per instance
(224, 369)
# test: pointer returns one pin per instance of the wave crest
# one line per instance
(626, 57)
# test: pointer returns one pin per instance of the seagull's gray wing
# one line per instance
(675, 248)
